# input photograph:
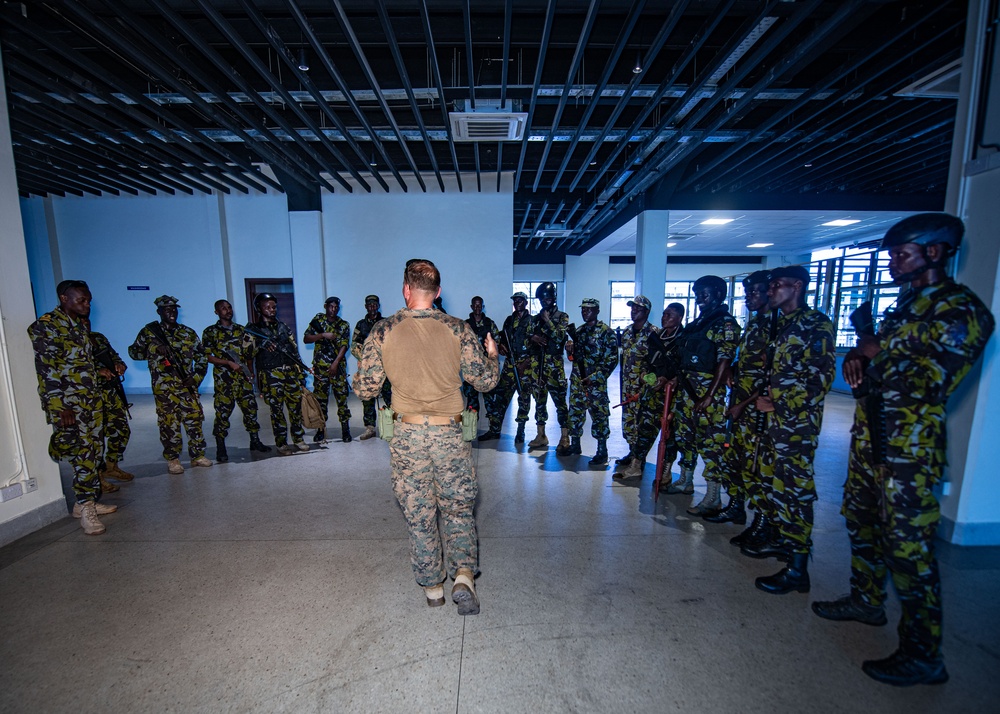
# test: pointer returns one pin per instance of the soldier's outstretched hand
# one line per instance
(491, 346)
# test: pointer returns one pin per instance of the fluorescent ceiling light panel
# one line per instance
(717, 221)
(671, 245)
(843, 222)
(760, 245)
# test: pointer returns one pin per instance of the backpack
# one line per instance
(312, 414)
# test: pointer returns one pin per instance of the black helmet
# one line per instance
(548, 289)
(713, 282)
(261, 298)
(925, 229)
(759, 277)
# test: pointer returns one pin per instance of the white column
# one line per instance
(651, 235)
(305, 229)
(586, 276)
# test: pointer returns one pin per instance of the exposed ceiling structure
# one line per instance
(597, 109)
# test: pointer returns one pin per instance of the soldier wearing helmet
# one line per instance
(903, 377)
(549, 330)
(362, 329)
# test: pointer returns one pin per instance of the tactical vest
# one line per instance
(698, 352)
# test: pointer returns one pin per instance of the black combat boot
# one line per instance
(256, 445)
(904, 670)
(747, 533)
(519, 436)
(319, 436)
(490, 434)
(574, 446)
(769, 545)
(345, 432)
(793, 577)
(220, 450)
(734, 512)
(601, 457)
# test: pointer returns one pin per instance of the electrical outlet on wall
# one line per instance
(9, 493)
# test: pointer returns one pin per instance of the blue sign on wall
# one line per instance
(138, 287)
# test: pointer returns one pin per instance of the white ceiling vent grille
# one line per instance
(552, 233)
(492, 126)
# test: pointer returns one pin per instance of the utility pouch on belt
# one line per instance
(470, 424)
(386, 421)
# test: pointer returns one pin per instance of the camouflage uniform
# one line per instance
(742, 474)
(551, 375)
(432, 468)
(802, 372)
(640, 419)
(519, 329)
(281, 380)
(929, 344)
(704, 434)
(117, 431)
(68, 380)
(490, 398)
(362, 329)
(595, 354)
(177, 405)
(324, 354)
(232, 387)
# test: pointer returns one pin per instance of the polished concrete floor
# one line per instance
(283, 584)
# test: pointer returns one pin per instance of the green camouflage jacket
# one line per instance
(555, 330)
(325, 351)
(803, 366)
(103, 351)
(218, 342)
(518, 330)
(751, 357)
(185, 346)
(361, 331)
(595, 352)
(64, 363)
(636, 357)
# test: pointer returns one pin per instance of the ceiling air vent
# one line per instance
(489, 121)
(549, 233)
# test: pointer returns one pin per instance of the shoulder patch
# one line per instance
(955, 335)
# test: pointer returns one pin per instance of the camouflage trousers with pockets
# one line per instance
(230, 393)
(175, 410)
(282, 388)
(505, 389)
(701, 434)
(117, 431)
(592, 398)
(82, 445)
(551, 380)
(325, 385)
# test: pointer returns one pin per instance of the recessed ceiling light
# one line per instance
(717, 221)
(671, 245)
(760, 245)
(843, 222)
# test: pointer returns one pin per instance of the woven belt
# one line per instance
(430, 420)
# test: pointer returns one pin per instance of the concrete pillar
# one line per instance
(305, 229)
(651, 235)
(587, 277)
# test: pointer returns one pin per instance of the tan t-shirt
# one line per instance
(422, 358)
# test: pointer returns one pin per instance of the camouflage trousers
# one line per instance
(324, 385)
(282, 388)
(117, 431)
(176, 410)
(433, 474)
(789, 450)
(744, 475)
(368, 405)
(490, 400)
(82, 445)
(899, 542)
(230, 392)
(505, 389)
(592, 398)
(551, 381)
(701, 434)
(641, 420)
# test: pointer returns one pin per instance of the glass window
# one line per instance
(529, 288)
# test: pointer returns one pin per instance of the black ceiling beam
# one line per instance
(407, 87)
(47, 172)
(28, 188)
(574, 67)
(499, 164)
(538, 223)
(542, 49)
(26, 176)
(442, 102)
(467, 31)
(934, 154)
(508, 15)
(369, 73)
(317, 46)
(479, 177)
(79, 168)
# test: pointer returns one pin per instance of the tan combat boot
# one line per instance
(112, 470)
(174, 467)
(435, 595)
(99, 508)
(463, 593)
(562, 448)
(201, 461)
(540, 441)
(88, 519)
(369, 433)
(634, 469)
(107, 486)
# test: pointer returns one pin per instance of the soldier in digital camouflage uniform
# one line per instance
(361, 331)
(332, 337)
(230, 350)
(925, 348)
(482, 325)
(177, 365)
(281, 373)
(665, 361)
(802, 370)
(117, 432)
(707, 346)
(643, 402)
(427, 354)
(520, 368)
(595, 353)
(548, 336)
(70, 391)
(743, 477)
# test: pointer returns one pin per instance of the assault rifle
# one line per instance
(512, 358)
(281, 347)
(169, 358)
(233, 357)
(103, 357)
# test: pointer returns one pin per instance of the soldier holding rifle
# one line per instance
(594, 350)
(519, 368)
(116, 431)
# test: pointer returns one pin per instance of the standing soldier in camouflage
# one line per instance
(642, 402)
(177, 365)
(230, 350)
(548, 338)
(743, 477)
(595, 352)
(361, 332)
(801, 372)
(519, 368)
(281, 373)
(903, 377)
(69, 387)
(332, 337)
(116, 431)
(427, 354)
(707, 346)
(665, 361)
(482, 325)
